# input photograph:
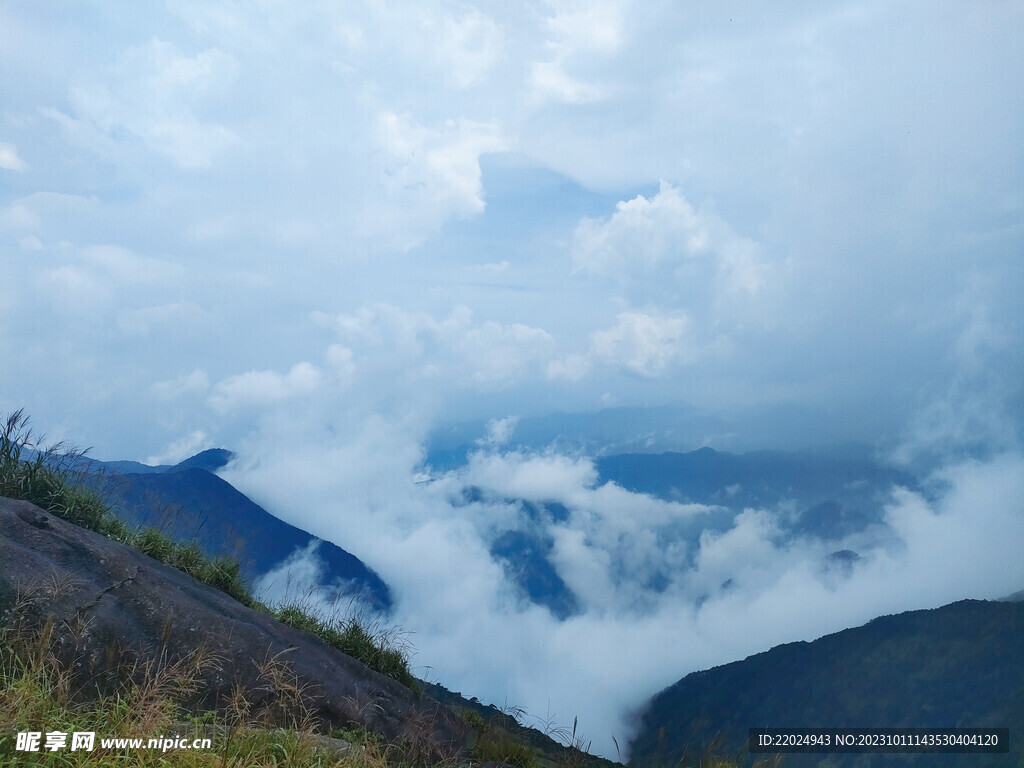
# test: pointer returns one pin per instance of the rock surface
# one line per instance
(108, 600)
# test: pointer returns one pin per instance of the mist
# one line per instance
(473, 631)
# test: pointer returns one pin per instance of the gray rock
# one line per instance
(109, 601)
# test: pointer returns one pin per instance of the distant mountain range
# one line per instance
(655, 429)
(835, 493)
(961, 665)
(188, 501)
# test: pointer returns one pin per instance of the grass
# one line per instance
(377, 650)
(50, 479)
(151, 700)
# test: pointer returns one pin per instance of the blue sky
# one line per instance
(314, 231)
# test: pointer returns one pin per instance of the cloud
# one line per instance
(489, 353)
(156, 95)
(572, 367)
(9, 158)
(469, 46)
(433, 171)
(613, 547)
(76, 289)
(643, 344)
(192, 383)
(664, 248)
(575, 32)
(968, 412)
(262, 387)
(551, 81)
(535, 478)
(32, 211)
(499, 431)
(181, 449)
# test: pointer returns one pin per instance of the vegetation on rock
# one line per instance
(49, 478)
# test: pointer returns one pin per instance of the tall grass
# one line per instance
(151, 700)
(51, 479)
(376, 648)
(45, 479)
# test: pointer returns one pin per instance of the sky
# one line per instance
(313, 232)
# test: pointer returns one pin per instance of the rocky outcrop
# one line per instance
(108, 601)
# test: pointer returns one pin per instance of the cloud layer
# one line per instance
(723, 591)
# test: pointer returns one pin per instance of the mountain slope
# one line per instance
(187, 501)
(109, 603)
(959, 665)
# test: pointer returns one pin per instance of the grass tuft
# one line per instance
(378, 650)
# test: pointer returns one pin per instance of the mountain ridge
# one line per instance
(188, 500)
(958, 665)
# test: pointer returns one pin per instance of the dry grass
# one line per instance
(271, 725)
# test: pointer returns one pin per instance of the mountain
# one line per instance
(525, 559)
(610, 430)
(959, 665)
(211, 460)
(112, 609)
(188, 501)
(835, 493)
(655, 429)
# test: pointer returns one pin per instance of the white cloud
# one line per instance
(431, 173)
(502, 352)
(19, 216)
(499, 431)
(192, 383)
(9, 158)
(156, 95)
(664, 247)
(123, 266)
(489, 270)
(75, 289)
(585, 25)
(643, 344)
(550, 80)
(181, 449)
(535, 478)
(32, 211)
(262, 387)
(488, 353)
(577, 31)
(832, 181)
(572, 367)
(469, 46)
(339, 357)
